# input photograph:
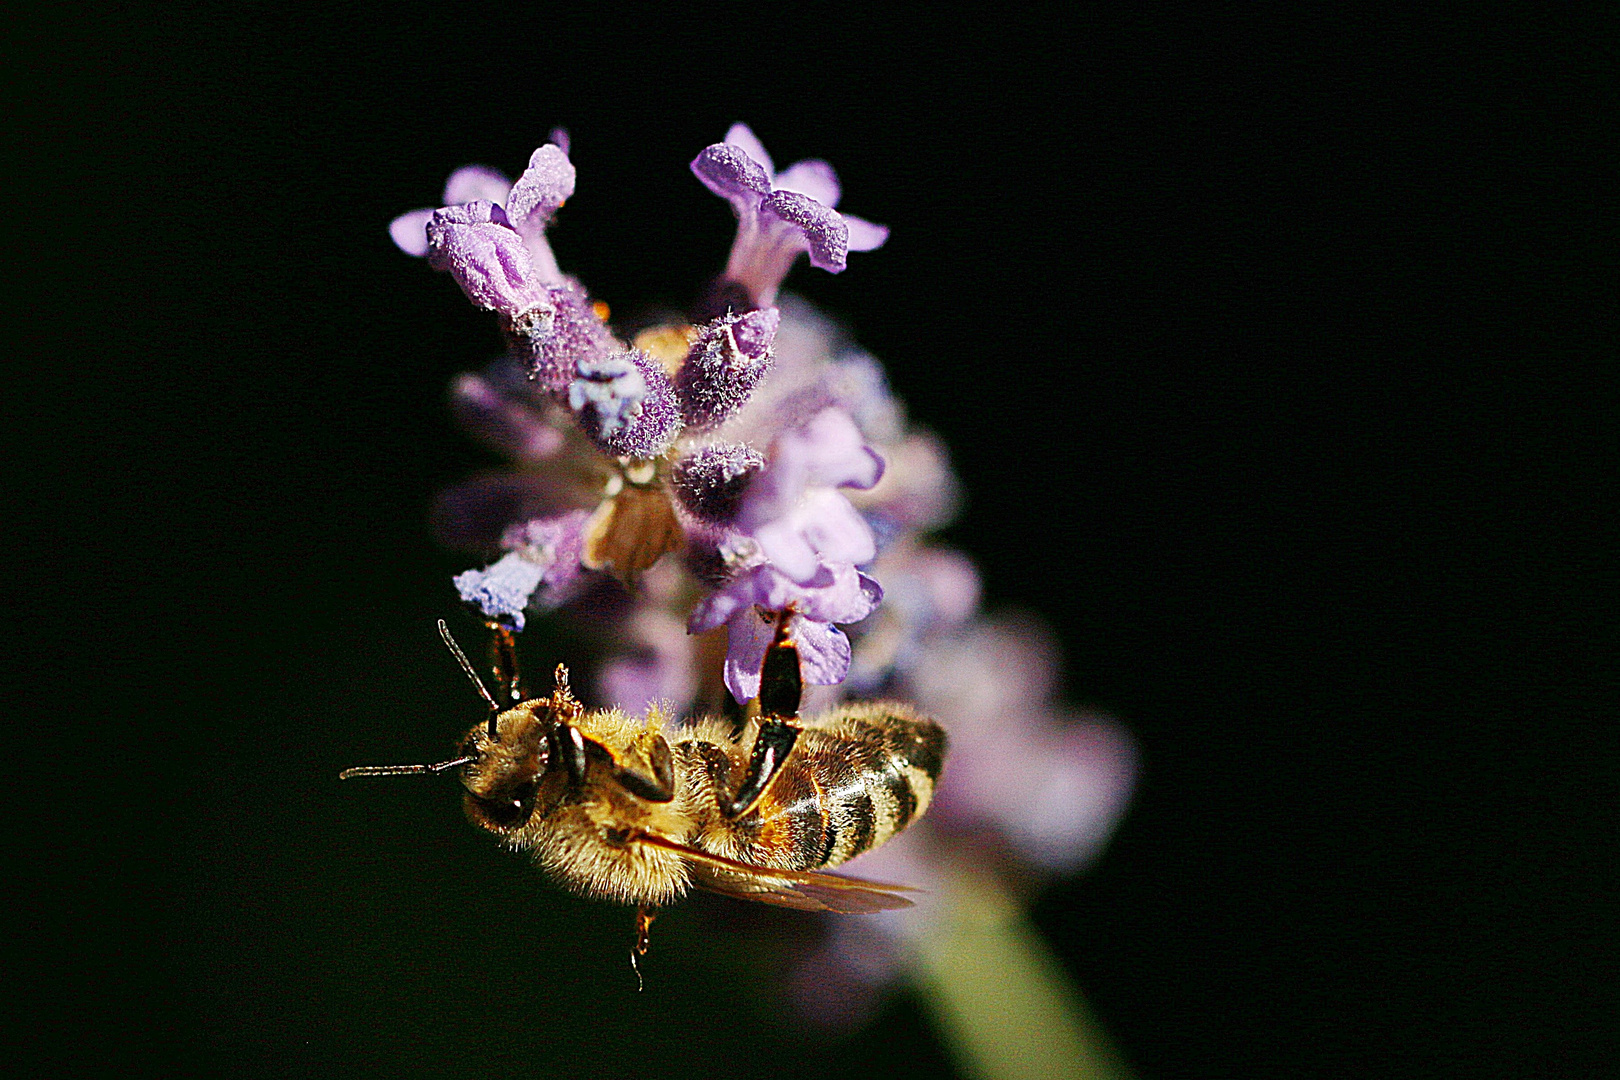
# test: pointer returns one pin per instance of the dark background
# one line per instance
(1276, 359)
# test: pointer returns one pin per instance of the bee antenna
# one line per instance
(466, 665)
(403, 770)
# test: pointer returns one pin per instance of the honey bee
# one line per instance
(615, 808)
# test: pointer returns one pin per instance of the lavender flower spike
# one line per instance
(751, 603)
(729, 357)
(489, 261)
(780, 217)
(625, 404)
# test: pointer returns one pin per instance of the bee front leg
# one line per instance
(503, 654)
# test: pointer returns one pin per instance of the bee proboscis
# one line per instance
(616, 808)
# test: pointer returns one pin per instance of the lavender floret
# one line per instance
(780, 216)
(792, 509)
(501, 590)
(489, 260)
(751, 603)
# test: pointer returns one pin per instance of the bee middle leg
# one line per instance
(578, 755)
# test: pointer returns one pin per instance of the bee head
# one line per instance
(509, 756)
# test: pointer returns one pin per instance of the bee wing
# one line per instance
(804, 890)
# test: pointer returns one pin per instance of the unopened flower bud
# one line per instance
(729, 357)
(625, 404)
(710, 482)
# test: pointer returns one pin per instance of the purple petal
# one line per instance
(822, 525)
(826, 236)
(409, 231)
(489, 261)
(472, 183)
(502, 590)
(783, 542)
(559, 136)
(814, 178)
(864, 235)
(748, 633)
(834, 593)
(756, 331)
(730, 173)
(827, 450)
(750, 603)
(743, 137)
(544, 186)
(823, 651)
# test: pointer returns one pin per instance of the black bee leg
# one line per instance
(779, 693)
(779, 685)
(644, 920)
(566, 746)
(660, 786)
(503, 652)
(771, 747)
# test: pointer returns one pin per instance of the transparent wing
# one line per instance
(803, 890)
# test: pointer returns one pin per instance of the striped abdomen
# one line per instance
(856, 776)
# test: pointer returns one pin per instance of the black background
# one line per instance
(1276, 358)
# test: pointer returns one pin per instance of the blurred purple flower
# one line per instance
(780, 217)
(791, 508)
(655, 666)
(512, 424)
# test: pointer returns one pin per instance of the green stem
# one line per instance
(1001, 998)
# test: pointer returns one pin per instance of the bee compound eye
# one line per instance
(507, 809)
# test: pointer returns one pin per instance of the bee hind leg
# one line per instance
(779, 693)
(771, 748)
